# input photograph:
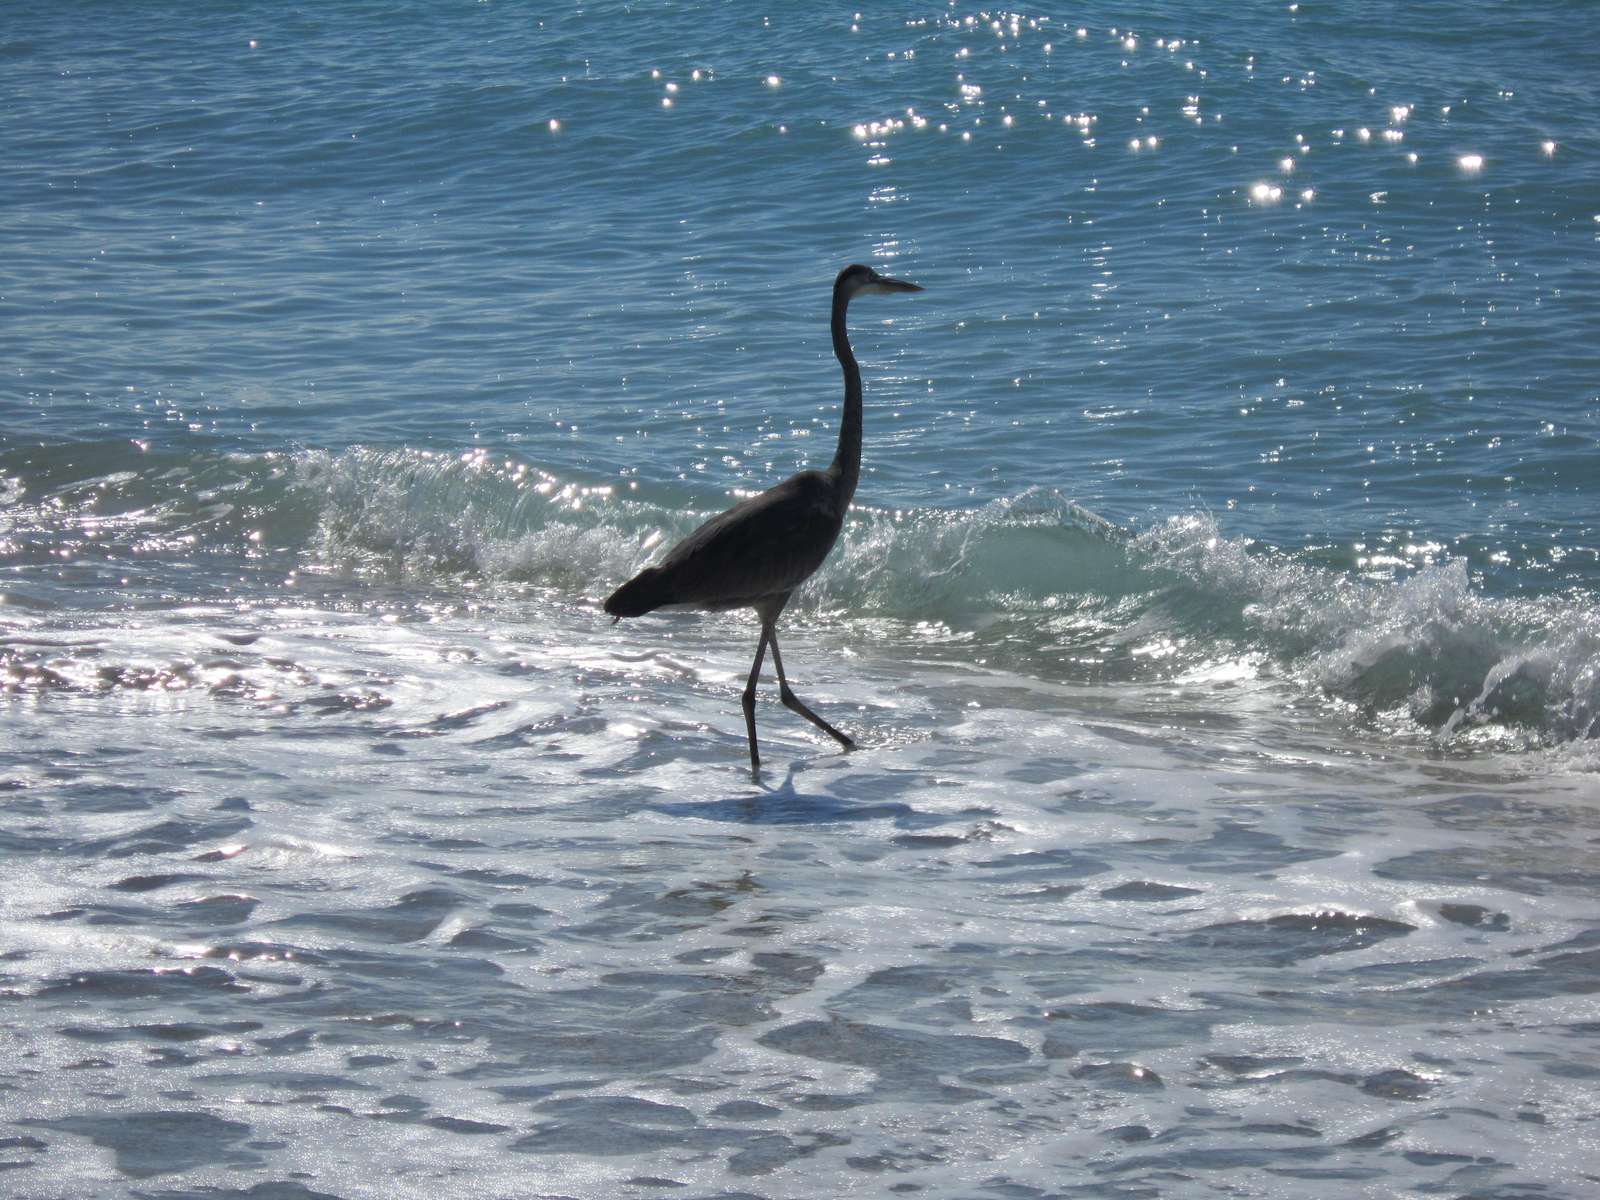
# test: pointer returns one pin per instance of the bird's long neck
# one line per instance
(847, 461)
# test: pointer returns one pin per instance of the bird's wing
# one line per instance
(763, 546)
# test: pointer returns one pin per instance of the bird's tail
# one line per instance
(639, 595)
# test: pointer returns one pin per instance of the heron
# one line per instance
(760, 550)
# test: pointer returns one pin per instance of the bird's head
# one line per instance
(857, 279)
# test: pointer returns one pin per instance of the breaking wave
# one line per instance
(1035, 583)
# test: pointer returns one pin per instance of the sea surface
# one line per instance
(1219, 617)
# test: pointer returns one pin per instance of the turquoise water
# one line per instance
(1218, 615)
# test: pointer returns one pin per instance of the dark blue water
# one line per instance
(1218, 616)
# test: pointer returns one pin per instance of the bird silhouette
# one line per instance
(760, 550)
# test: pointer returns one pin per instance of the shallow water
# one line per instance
(1218, 616)
(330, 920)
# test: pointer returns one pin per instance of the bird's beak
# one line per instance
(884, 284)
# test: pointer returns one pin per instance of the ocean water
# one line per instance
(1219, 616)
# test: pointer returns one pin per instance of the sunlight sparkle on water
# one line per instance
(1471, 163)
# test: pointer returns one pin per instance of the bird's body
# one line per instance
(760, 550)
(777, 538)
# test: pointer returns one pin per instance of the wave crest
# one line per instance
(1035, 582)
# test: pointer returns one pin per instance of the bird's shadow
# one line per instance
(786, 805)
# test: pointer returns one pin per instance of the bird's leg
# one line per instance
(750, 694)
(794, 703)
